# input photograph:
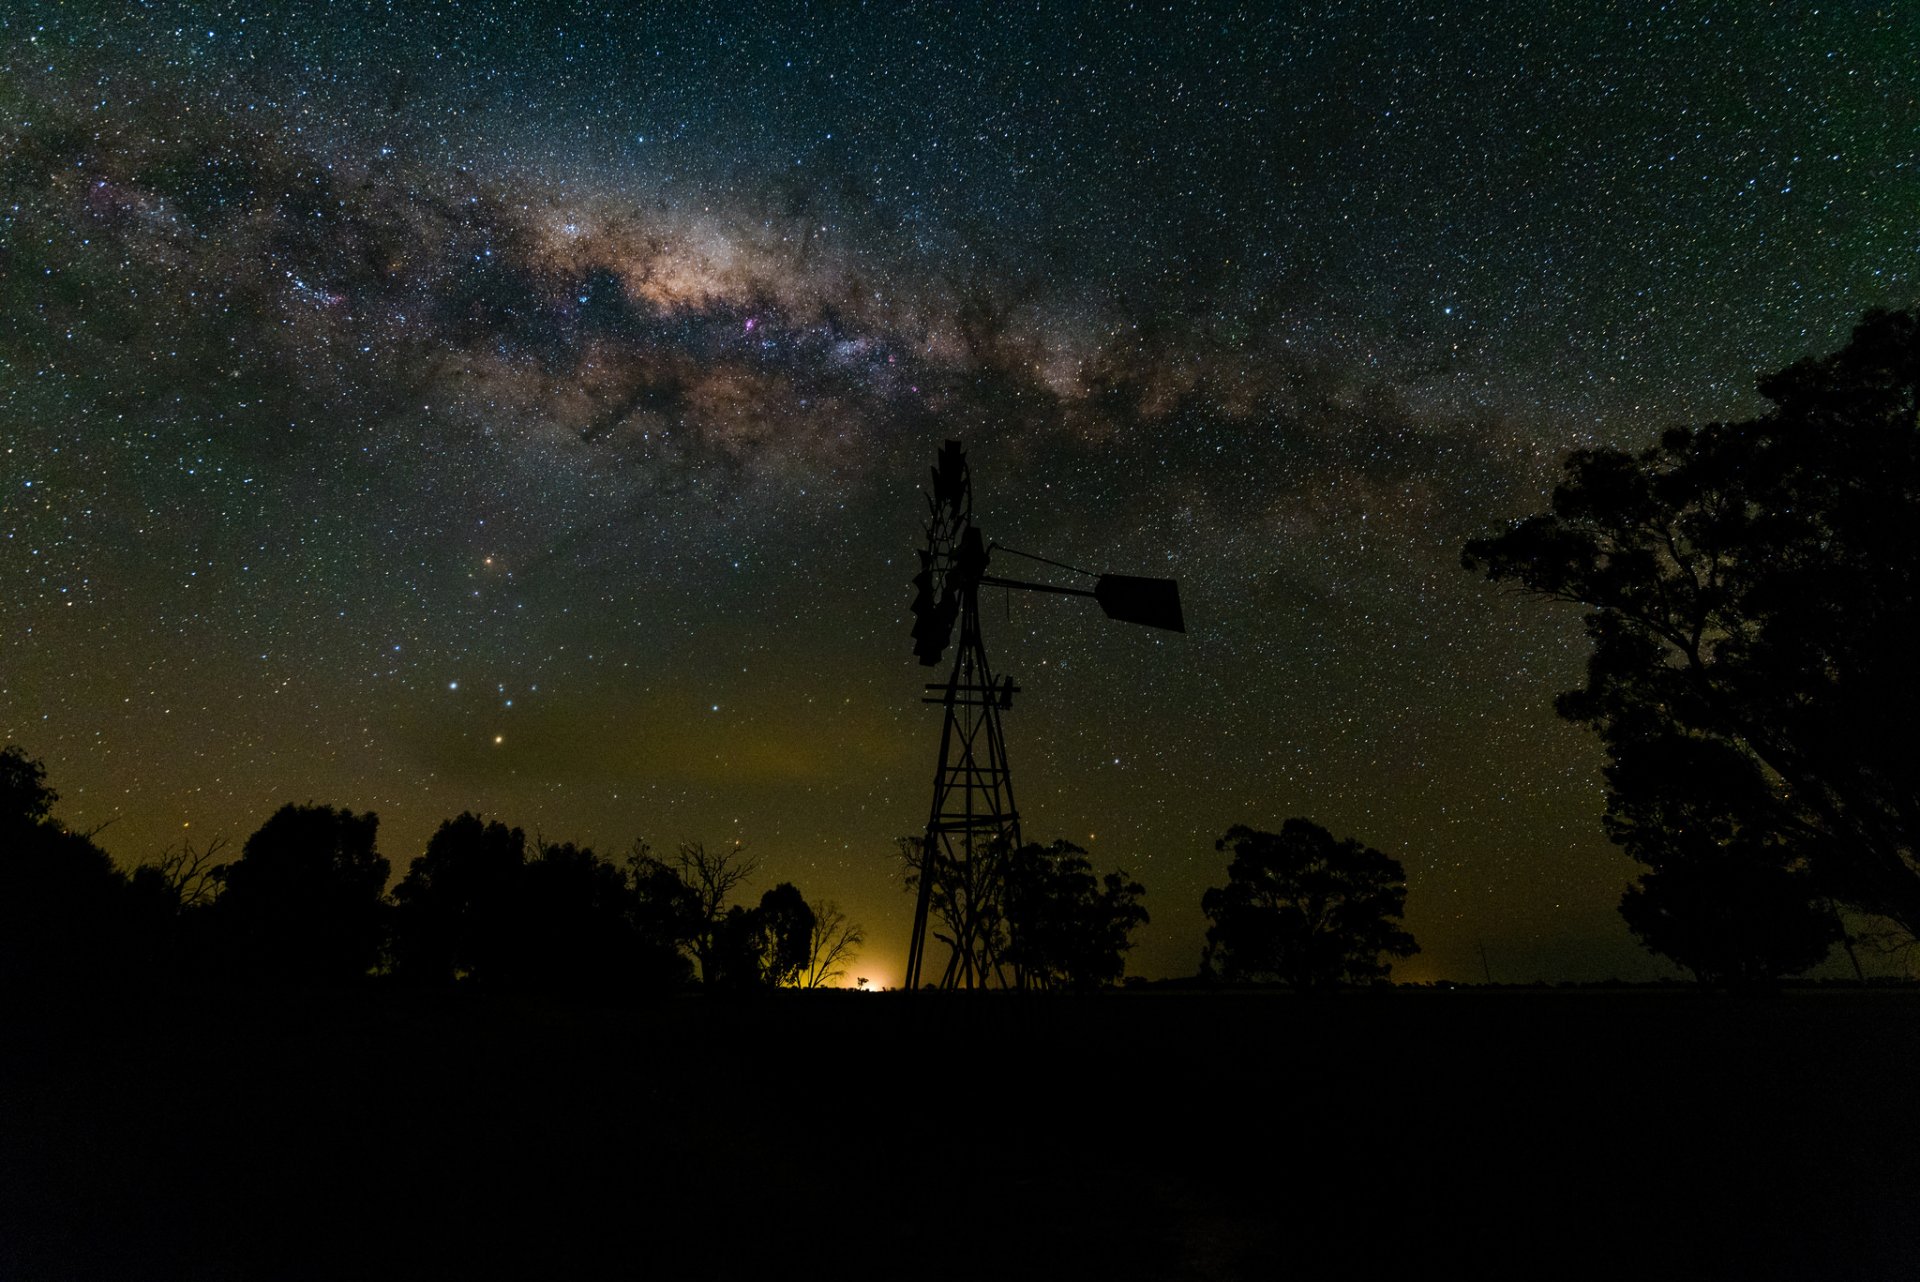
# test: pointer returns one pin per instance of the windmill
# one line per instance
(973, 825)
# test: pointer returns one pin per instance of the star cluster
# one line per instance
(518, 408)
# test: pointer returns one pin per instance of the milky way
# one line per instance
(520, 410)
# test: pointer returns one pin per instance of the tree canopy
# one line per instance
(1726, 893)
(1066, 927)
(458, 904)
(766, 946)
(305, 900)
(1751, 586)
(1304, 908)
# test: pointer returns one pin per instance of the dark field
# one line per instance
(1144, 1135)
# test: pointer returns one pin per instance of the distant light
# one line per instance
(499, 738)
(453, 685)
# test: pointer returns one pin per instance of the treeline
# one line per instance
(305, 903)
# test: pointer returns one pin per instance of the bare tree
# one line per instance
(194, 876)
(712, 877)
(833, 946)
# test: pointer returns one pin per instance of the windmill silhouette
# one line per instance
(973, 825)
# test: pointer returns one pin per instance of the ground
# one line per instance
(1149, 1134)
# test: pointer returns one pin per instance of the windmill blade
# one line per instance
(950, 478)
(1132, 599)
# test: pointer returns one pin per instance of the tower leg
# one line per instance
(971, 825)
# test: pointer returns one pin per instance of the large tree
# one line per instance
(1067, 927)
(785, 935)
(765, 946)
(459, 908)
(1726, 893)
(1304, 908)
(1752, 585)
(574, 924)
(304, 902)
(709, 878)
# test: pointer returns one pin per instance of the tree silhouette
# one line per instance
(710, 878)
(968, 905)
(1067, 928)
(458, 909)
(303, 903)
(65, 910)
(192, 875)
(666, 916)
(765, 946)
(173, 896)
(573, 924)
(478, 908)
(833, 945)
(786, 934)
(1726, 894)
(1305, 909)
(1754, 584)
(26, 799)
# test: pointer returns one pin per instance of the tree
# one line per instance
(304, 900)
(967, 904)
(1305, 909)
(173, 897)
(478, 908)
(573, 928)
(1753, 585)
(64, 908)
(192, 876)
(1067, 928)
(458, 909)
(1727, 894)
(26, 799)
(786, 923)
(666, 917)
(765, 946)
(832, 947)
(710, 877)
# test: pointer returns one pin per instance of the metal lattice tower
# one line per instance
(973, 826)
(973, 821)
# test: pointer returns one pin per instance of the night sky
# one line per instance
(520, 408)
